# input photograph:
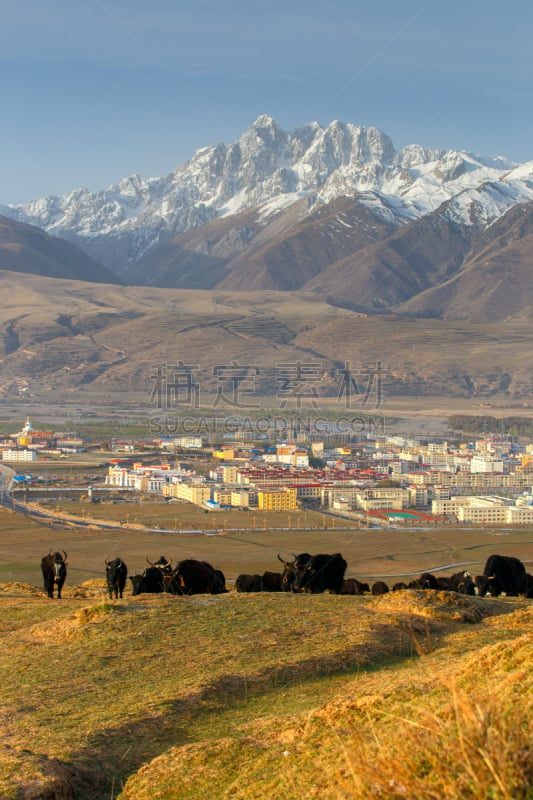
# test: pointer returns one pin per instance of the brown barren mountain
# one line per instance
(254, 250)
(70, 335)
(416, 257)
(293, 257)
(24, 248)
(496, 280)
(432, 267)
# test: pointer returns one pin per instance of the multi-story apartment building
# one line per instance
(145, 479)
(418, 496)
(483, 515)
(222, 495)
(332, 492)
(188, 442)
(277, 500)
(196, 493)
(520, 515)
(378, 498)
(242, 498)
(485, 463)
(476, 509)
(13, 454)
(229, 473)
(307, 491)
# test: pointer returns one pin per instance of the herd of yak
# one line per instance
(313, 574)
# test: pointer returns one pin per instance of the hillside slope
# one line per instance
(57, 335)
(454, 722)
(27, 249)
(329, 672)
(495, 280)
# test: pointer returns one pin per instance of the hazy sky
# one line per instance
(96, 90)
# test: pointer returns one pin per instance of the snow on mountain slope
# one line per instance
(270, 168)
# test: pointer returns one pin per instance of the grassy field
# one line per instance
(183, 516)
(370, 553)
(413, 694)
(168, 698)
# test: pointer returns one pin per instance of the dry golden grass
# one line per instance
(183, 516)
(258, 695)
(428, 729)
(170, 696)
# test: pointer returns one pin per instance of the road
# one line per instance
(6, 480)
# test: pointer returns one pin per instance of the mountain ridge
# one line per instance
(265, 166)
(27, 249)
(334, 210)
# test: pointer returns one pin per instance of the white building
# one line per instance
(188, 442)
(481, 463)
(19, 455)
(145, 479)
(418, 496)
(520, 515)
(477, 509)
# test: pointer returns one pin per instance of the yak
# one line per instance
(272, 582)
(527, 586)
(248, 583)
(54, 569)
(195, 577)
(116, 573)
(290, 569)
(399, 586)
(505, 574)
(426, 581)
(150, 581)
(314, 574)
(323, 572)
(353, 586)
(462, 583)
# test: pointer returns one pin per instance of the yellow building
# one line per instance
(240, 499)
(229, 474)
(274, 500)
(225, 453)
(197, 493)
(222, 496)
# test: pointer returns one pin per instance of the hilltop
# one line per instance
(270, 696)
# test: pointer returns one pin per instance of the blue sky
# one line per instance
(95, 90)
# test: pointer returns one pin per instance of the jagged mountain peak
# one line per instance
(270, 168)
(265, 121)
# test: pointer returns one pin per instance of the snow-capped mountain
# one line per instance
(271, 171)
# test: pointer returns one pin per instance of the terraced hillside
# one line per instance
(69, 335)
